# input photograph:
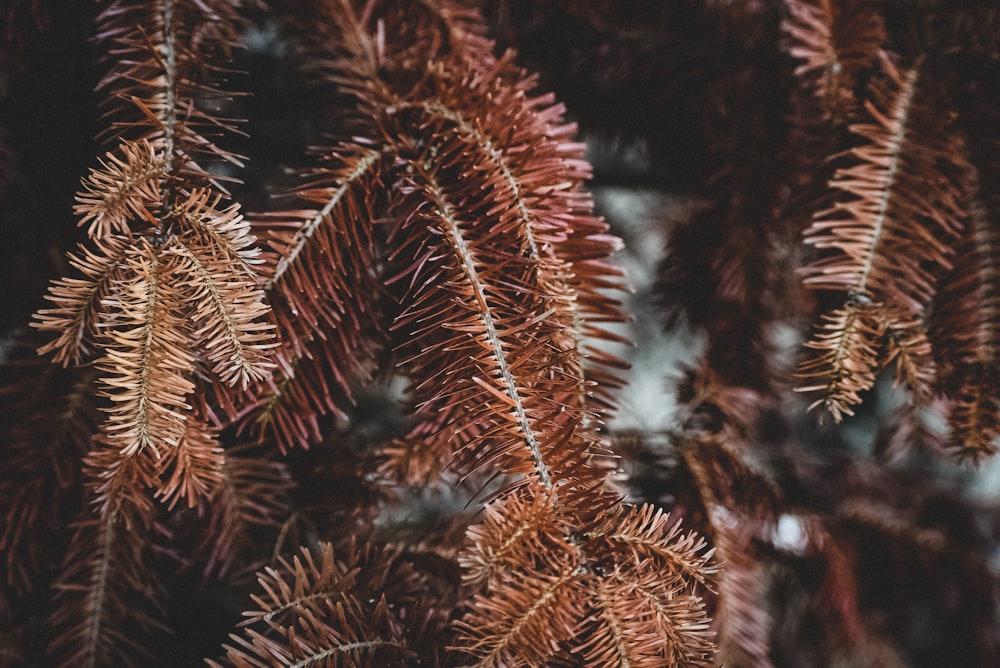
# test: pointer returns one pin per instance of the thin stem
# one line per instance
(170, 75)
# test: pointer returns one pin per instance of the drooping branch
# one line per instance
(227, 316)
(170, 284)
(192, 470)
(866, 237)
(461, 217)
(964, 320)
(168, 56)
(847, 360)
(147, 360)
(328, 313)
(487, 348)
(96, 623)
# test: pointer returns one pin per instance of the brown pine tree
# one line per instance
(331, 376)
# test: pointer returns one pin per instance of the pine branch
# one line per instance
(299, 240)
(964, 321)
(148, 360)
(107, 596)
(974, 418)
(885, 202)
(524, 178)
(300, 392)
(642, 623)
(210, 223)
(742, 506)
(227, 319)
(535, 217)
(195, 467)
(164, 76)
(251, 496)
(117, 486)
(480, 308)
(963, 326)
(522, 525)
(836, 41)
(850, 341)
(909, 347)
(317, 610)
(526, 623)
(554, 585)
(847, 342)
(867, 234)
(647, 534)
(78, 301)
(47, 423)
(323, 335)
(123, 189)
(171, 286)
(568, 254)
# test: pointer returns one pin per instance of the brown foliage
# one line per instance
(388, 389)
